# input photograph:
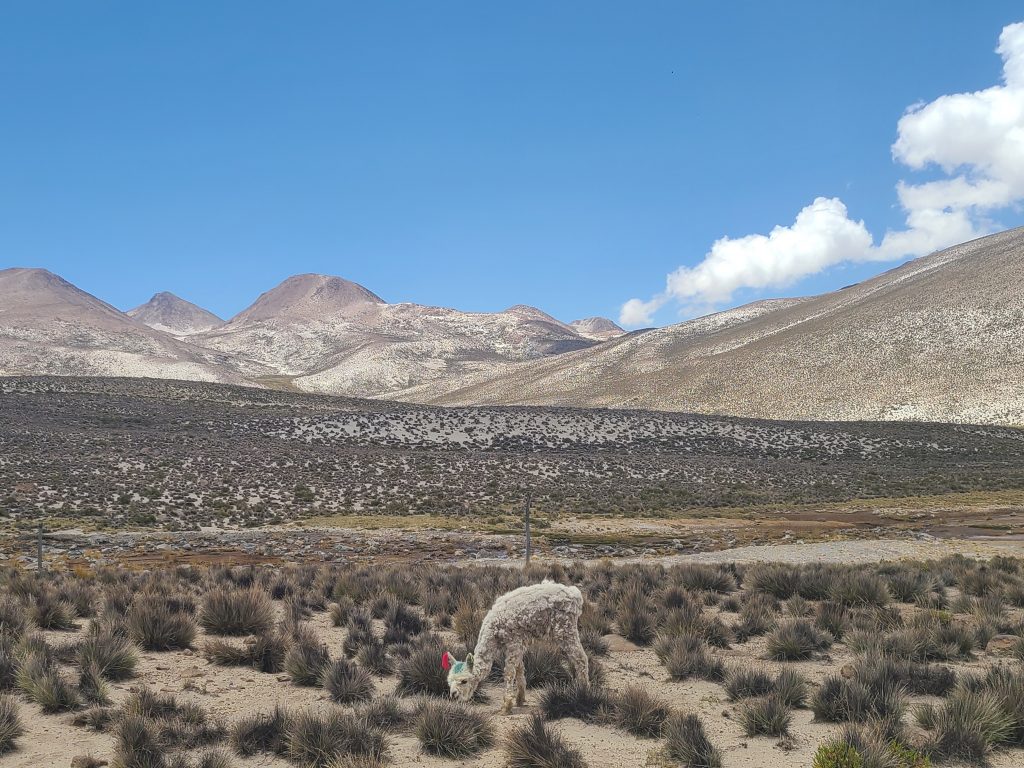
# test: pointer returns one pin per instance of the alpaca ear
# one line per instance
(469, 662)
(446, 661)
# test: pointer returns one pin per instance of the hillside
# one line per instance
(172, 314)
(939, 338)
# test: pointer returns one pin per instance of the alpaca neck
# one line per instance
(483, 655)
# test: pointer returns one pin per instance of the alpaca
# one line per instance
(516, 618)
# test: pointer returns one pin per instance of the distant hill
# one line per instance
(48, 326)
(171, 314)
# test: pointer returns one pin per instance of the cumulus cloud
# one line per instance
(975, 139)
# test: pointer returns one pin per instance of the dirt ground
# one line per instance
(230, 693)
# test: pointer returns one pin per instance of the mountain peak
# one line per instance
(599, 328)
(172, 314)
(309, 297)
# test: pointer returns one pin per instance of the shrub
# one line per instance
(347, 683)
(340, 610)
(10, 723)
(832, 618)
(265, 653)
(870, 746)
(401, 623)
(768, 716)
(451, 729)
(745, 683)
(840, 700)
(261, 733)
(688, 743)
(307, 658)
(795, 640)
(534, 745)
(316, 739)
(177, 725)
(583, 701)
(704, 578)
(640, 713)
(756, 617)
(155, 625)
(236, 612)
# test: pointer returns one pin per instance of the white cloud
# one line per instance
(976, 139)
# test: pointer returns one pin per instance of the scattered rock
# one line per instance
(1002, 645)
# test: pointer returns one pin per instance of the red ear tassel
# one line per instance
(446, 663)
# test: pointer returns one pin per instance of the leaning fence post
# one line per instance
(526, 516)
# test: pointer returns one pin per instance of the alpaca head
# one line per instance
(462, 683)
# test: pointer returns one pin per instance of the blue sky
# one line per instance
(567, 155)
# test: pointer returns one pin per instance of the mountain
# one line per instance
(597, 328)
(939, 338)
(48, 326)
(171, 314)
(325, 334)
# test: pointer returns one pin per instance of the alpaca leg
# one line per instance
(577, 658)
(520, 684)
(513, 660)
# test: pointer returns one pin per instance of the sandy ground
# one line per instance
(230, 693)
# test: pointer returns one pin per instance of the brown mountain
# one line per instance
(171, 314)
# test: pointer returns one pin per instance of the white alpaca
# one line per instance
(517, 617)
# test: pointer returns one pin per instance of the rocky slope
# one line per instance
(939, 338)
(597, 328)
(172, 314)
(333, 336)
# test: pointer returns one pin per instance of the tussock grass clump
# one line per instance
(640, 713)
(748, 682)
(13, 618)
(307, 658)
(636, 618)
(796, 640)
(317, 739)
(401, 623)
(358, 632)
(757, 615)
(767, 716)
(839, 700)
(686, 656)
(10, 723)
(596, 644)
(867, 746)
(968, 726)
(112, 656)
(264, 732)
(791, 688)
(860, 588)
(832, 618)
(698, 577)
(687, 742)
(375, 658)
(422, 673)
(157, 624)
(384, 712)
(137, 744)
(177, 725)
(265, 653)
(346, 682)
(43, 684)
(776, 579)
(340, 610)
(451, 729)
(50, 611)
(534, 745)
(583, 701)
(236, 612)
(211, 758)
(466, 620)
